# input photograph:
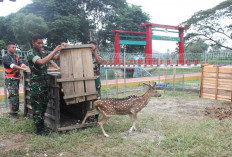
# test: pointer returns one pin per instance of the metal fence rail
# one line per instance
(174, 84)
(157, 58)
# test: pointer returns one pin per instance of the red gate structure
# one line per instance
(148, 40)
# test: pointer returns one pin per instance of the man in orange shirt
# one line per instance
(12, 67)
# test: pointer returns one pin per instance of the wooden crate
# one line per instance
(59, 116)
(77, 75)
(216, 82)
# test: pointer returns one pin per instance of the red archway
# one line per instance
(149, 38)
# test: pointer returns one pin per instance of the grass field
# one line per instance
(168, 126)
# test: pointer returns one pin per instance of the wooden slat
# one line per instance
(225, 88)
(209, 91)
(228, 80)
(216, 89)
(209, 75)
(67, 72)
(210, 69)
(77, 46)
(202, 80)
(209, 80)
(76, 79)
(50, 116)
(90, 86)
(77, 126)
(225, 69)
(209, 86)
(225, 76)
(77, 64)
(226, 93)
(80, 94)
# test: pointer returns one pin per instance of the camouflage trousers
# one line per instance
(12, 86)
(39, 100)
(98, 87)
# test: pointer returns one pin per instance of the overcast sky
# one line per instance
(171, 12)
(168, 12)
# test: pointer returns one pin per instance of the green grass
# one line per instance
(167, 136)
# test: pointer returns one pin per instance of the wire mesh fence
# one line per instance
(156, 58)
(184, 79)
(167, 59)
(174, 79)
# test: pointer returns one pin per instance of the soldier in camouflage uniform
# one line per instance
(38, 63)
(12, 67)
(97, 61)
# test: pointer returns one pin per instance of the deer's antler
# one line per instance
(147, 84)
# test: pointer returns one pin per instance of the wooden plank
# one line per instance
(216, 89)
(202, 80)
(77, 126)
(67, 72)
(209, 80)
(77, 46)
(50, 116)
(77, 63)
(221, 83)
(209, 75)
(78, 95)
(209, 85)
(209, 68)
(209, 91)
(225, 69)
(226, 93)
(76, 79)
(90, 86)
(208, 95)
(225, 76)
(225, 88)
(228, 80)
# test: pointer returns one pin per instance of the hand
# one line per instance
(26, 69)
(64, 44)
(58, 48)
(93, 49)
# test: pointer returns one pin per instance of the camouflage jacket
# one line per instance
(38, 72)
(96, 66)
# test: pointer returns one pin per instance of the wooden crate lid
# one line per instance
(77, 46)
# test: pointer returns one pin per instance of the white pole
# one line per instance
(5, 92)
(124, 70)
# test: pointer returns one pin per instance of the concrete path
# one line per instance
(130, 80)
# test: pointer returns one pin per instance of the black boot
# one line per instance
(40, 130)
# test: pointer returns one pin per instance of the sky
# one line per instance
(167, 12)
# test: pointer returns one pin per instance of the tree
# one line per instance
(5, 29)
(2, 44)
(198, 46)
(24, 26)
(212, 25)
(72, 20)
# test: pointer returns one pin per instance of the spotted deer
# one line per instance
(130, 105)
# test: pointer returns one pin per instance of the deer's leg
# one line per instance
(102, 121)
(134, 117)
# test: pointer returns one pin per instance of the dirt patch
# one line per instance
(15, 141)
(224, 112)
(143, 134)
(195, 108)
